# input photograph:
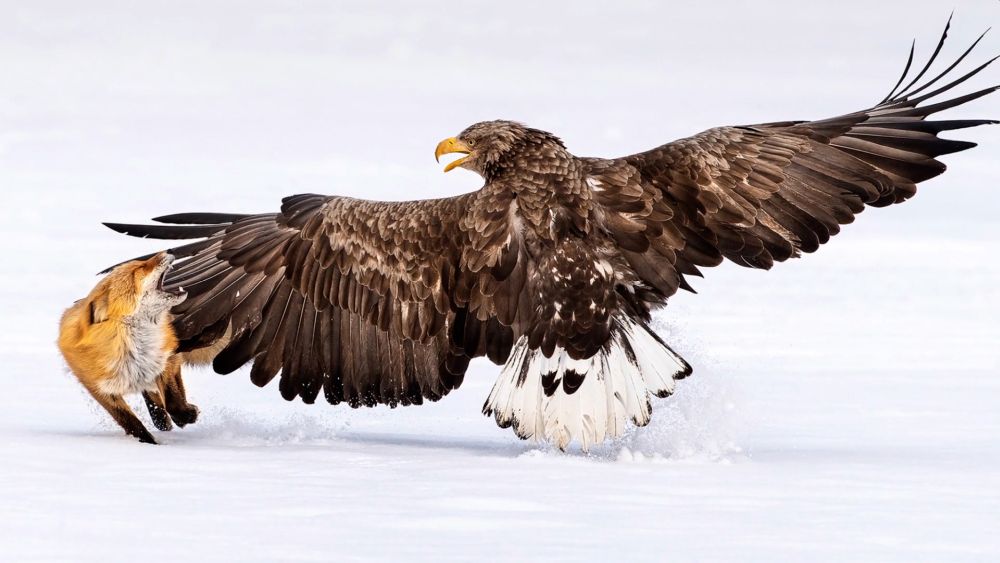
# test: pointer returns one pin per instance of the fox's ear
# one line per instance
(99, 309)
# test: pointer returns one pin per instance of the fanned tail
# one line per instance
(560, 400)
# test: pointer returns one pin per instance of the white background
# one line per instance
(844, 406)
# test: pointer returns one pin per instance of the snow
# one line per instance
(843, 407)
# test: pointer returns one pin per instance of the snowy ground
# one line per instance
(842, 407)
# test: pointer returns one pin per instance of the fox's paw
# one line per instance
(161, 420)
(142, 435)
(185, 415)
(162, 423)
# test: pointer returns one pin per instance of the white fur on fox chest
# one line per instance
(142, 362)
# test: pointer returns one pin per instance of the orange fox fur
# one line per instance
(119, 340)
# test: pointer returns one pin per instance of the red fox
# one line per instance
(119, 340)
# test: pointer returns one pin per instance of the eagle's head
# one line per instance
(492, 146)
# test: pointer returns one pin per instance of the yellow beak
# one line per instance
(449, 146)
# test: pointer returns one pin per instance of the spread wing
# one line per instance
(368, 302)
(766, 193)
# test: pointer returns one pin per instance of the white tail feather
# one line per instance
(617, 385)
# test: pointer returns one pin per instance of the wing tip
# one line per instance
(199, 218)
(903, 96)
(123, 228)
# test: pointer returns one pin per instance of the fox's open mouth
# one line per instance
(178, 290)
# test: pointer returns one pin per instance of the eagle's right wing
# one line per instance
(762, 194)
(370, 302)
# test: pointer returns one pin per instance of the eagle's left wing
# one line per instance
(765, 193)
(367, 302)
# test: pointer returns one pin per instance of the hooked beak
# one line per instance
(449, 146)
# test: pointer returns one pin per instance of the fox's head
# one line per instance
(135, 289)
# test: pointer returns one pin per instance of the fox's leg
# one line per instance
(157, 409)
(175, 397)
(123, 415)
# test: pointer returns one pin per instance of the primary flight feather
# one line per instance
(552, 268)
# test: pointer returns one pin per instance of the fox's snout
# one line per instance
(163, 259)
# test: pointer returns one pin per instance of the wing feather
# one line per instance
(761, 194)
(355, 299)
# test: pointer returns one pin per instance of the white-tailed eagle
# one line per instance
(552, 268)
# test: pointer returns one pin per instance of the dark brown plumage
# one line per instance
(553, 266)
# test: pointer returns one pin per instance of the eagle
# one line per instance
(551, 269)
